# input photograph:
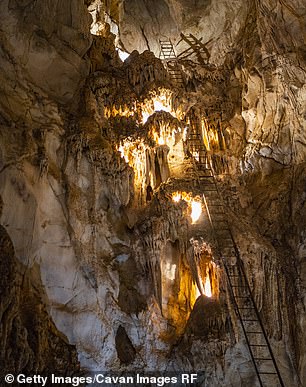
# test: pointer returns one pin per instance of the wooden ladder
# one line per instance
(166, 50)
(168, 56)
(241, 294)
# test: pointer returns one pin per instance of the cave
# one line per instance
(153, 191)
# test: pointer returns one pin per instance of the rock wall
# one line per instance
(99, 186)
(29, 338)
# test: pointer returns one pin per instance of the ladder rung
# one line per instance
(232, 272)
(226, 247)
(226, 244)
(239, 286)
(210, 183)
(267, 373)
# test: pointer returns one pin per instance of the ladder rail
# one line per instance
(196, 142)
(233, 298)
(241, 267)
(243, 327)
(240, 262)
(167, 54)
(250, 297)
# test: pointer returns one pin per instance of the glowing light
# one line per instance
(123, 152)
(170, 270)
(196, 155)
(194, 204)
(185, 133)
(145, 116)
(176, 197)
(161, 101)
(198, 293)
(196, 210)
(133, 151)
(205, 134)
(161, 104)
(207, 287)
(163, 134)
(123, 55)
(122, 111)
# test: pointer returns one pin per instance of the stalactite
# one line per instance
(120, 232)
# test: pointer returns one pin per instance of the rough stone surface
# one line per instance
(94, 168)
(29, 339)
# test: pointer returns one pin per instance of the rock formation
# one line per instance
(29, 338)
(106, 247)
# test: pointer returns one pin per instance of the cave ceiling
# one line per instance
(134, 189)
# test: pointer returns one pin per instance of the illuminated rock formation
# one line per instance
(100, 177)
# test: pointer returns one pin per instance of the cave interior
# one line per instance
(153, 189)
